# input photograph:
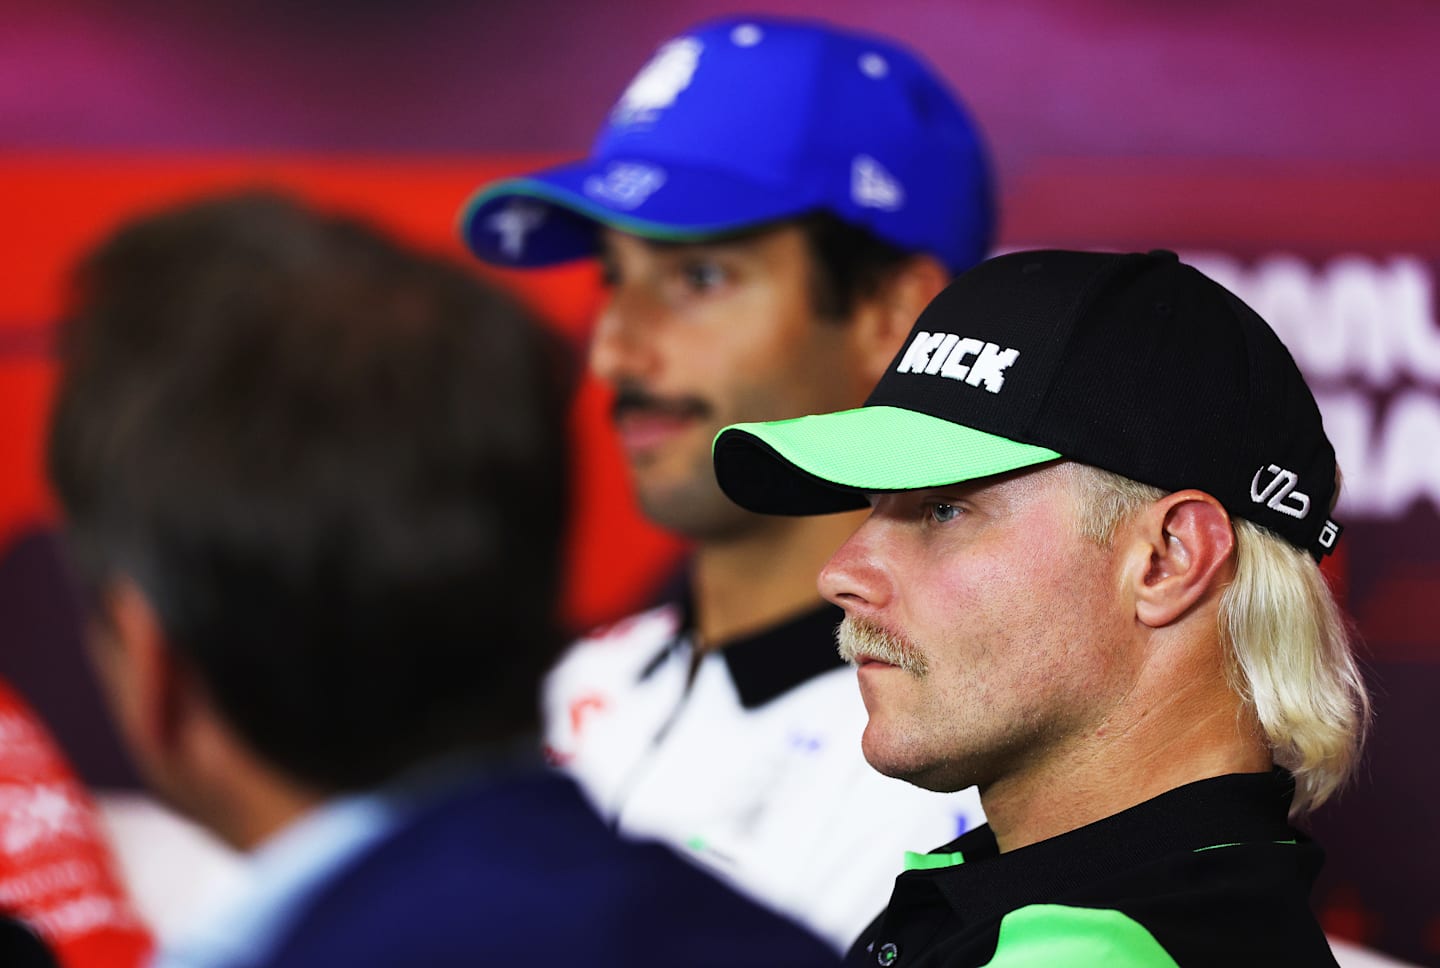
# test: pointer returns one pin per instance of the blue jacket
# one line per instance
(522, 873)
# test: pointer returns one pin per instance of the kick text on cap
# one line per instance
(958, 358)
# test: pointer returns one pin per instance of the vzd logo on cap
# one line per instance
(1279, 493)
(971, 360)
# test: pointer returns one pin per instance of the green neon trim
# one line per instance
(1200, 850)
(891, 449)
(930, 862)
(1046, 935)
(526, 188)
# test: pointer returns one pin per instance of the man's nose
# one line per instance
(856, 577)
(624, 344)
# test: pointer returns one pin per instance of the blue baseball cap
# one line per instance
(749, 120)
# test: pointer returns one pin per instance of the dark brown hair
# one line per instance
(335, 466)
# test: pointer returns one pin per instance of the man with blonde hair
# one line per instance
(1089, 585)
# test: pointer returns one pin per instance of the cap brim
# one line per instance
(829, 462)
(552, 218)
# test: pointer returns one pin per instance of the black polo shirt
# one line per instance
(1210, 873)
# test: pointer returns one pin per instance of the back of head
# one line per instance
(744, 121)
(333, 466)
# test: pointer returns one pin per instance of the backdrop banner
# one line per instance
(1344, 264)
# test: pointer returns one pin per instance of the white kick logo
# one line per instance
(974, 361)
(1279, 491)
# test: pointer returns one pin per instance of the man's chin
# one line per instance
(938, 777)
(689, 505)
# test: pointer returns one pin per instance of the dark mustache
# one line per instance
(632, 399)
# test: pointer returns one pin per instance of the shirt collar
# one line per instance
(244, 923)
(768, 663)
(771, 662)
(1224, 810)
(279, 875)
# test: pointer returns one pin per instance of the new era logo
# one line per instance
(973, 361)
(871, 186)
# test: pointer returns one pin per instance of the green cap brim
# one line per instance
(829, 462)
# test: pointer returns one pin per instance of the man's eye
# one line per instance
(702, 276)
(941, 513)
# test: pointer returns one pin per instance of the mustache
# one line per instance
(630, 398)
(856, 637)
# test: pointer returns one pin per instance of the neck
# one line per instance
(240, 797)
(747, 583)
(1169, 731)
(262, 815)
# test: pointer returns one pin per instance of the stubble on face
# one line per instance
(751, 349)
(1007, 604)
(676, 486)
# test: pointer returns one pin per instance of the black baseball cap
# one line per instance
(1135, 363)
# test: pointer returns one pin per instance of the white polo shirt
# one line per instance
(754, 770)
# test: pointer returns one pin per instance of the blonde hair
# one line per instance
(1287, 645)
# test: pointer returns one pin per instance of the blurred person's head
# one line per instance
(1099, 493)
(315, 485)
(773, 201)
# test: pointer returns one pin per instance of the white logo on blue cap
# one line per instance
(625, 184)
(659, 82)
(513, 223)
(871, 186)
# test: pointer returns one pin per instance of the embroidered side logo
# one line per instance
(973, 361)
(514, 223)
(1279, 492)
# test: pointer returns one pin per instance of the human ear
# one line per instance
(884, 319)
(143, 676)
(1190, 545)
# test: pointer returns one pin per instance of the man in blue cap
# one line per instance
(773, 203)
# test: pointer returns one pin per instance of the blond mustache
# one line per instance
(856, 637)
